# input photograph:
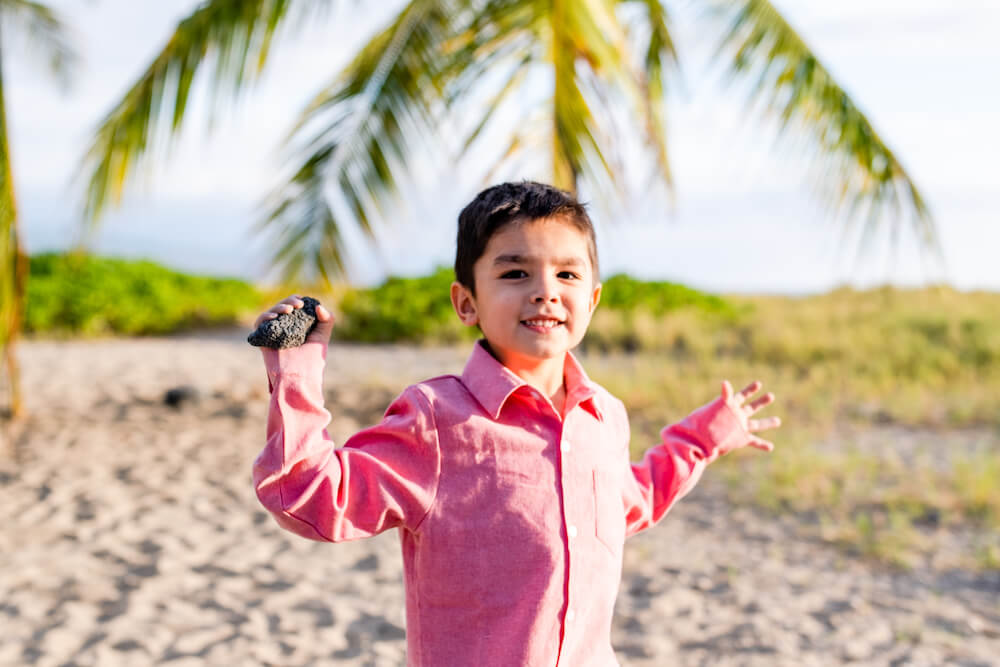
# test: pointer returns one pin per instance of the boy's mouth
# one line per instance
(542, 323)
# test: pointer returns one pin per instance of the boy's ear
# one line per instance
(464, 304)
(595, 298)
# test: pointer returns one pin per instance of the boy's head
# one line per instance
(510, 203)
(526, 271)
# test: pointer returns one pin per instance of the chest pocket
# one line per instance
(609, 514)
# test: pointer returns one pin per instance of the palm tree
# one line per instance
(436, 61)
(41, 29)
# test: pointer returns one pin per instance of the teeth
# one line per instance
(548, 324)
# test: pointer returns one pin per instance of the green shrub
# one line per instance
(622, 292)
(85, 295)
(402, 310)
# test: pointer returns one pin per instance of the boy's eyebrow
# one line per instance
(525, 259)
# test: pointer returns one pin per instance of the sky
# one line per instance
(742, 219)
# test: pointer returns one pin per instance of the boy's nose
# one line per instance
(545, 290)
(542, 298)
(545, 294)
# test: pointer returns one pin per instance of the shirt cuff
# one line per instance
(306, 361)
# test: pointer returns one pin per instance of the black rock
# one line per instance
(287, 329)
(178, 396)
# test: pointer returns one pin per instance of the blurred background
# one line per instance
(921, 72)
(796, 191)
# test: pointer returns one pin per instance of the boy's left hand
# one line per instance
(743, 410)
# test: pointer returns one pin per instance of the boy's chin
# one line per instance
(537, 353)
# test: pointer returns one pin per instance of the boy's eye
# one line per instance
(568, 275)
(514, 273)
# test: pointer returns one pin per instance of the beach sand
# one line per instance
(132, 536)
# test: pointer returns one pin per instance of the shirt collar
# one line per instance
(492, 383)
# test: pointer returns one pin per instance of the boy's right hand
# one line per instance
(324, 320)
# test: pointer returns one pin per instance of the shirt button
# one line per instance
(565, 446)
(570, 615)
(572, 531)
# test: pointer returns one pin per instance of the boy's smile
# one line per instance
(535, 294)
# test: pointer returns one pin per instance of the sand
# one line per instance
(133, 537)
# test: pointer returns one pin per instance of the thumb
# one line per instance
(727, 390)
(324, 327)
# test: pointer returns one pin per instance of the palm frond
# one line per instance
(515, 79)
(358, 134)
(582, 35)
(855, 169)
(659, 59)
(231, 37)
(43, 32)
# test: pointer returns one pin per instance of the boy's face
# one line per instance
(535, 292)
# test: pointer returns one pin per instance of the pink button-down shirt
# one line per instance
(512, 518)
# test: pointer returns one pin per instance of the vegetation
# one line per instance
(83, 295)
(922, 357)
(416, 310)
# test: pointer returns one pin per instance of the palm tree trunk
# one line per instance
(13, 263)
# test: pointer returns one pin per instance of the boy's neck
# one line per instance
(547, 379)
(547, 376)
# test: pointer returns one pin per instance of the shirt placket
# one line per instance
(575, 520)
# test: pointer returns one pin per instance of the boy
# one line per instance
(511, 483)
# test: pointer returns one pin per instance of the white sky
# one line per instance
(924, 72)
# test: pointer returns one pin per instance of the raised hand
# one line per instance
(324, 325)
(744, 408)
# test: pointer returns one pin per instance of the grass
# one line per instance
(876, 504)
(921, 357)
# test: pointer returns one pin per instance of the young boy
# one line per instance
(511, 483)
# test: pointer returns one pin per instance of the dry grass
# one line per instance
(927, 360)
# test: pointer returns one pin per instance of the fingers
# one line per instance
(761, 402)
(745, 393)
(750, 389)
(286, 305)
(755, 425)
(761, 444)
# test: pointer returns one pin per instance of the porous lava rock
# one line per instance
(287, 329)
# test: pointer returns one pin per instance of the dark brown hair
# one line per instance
(500, 205)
